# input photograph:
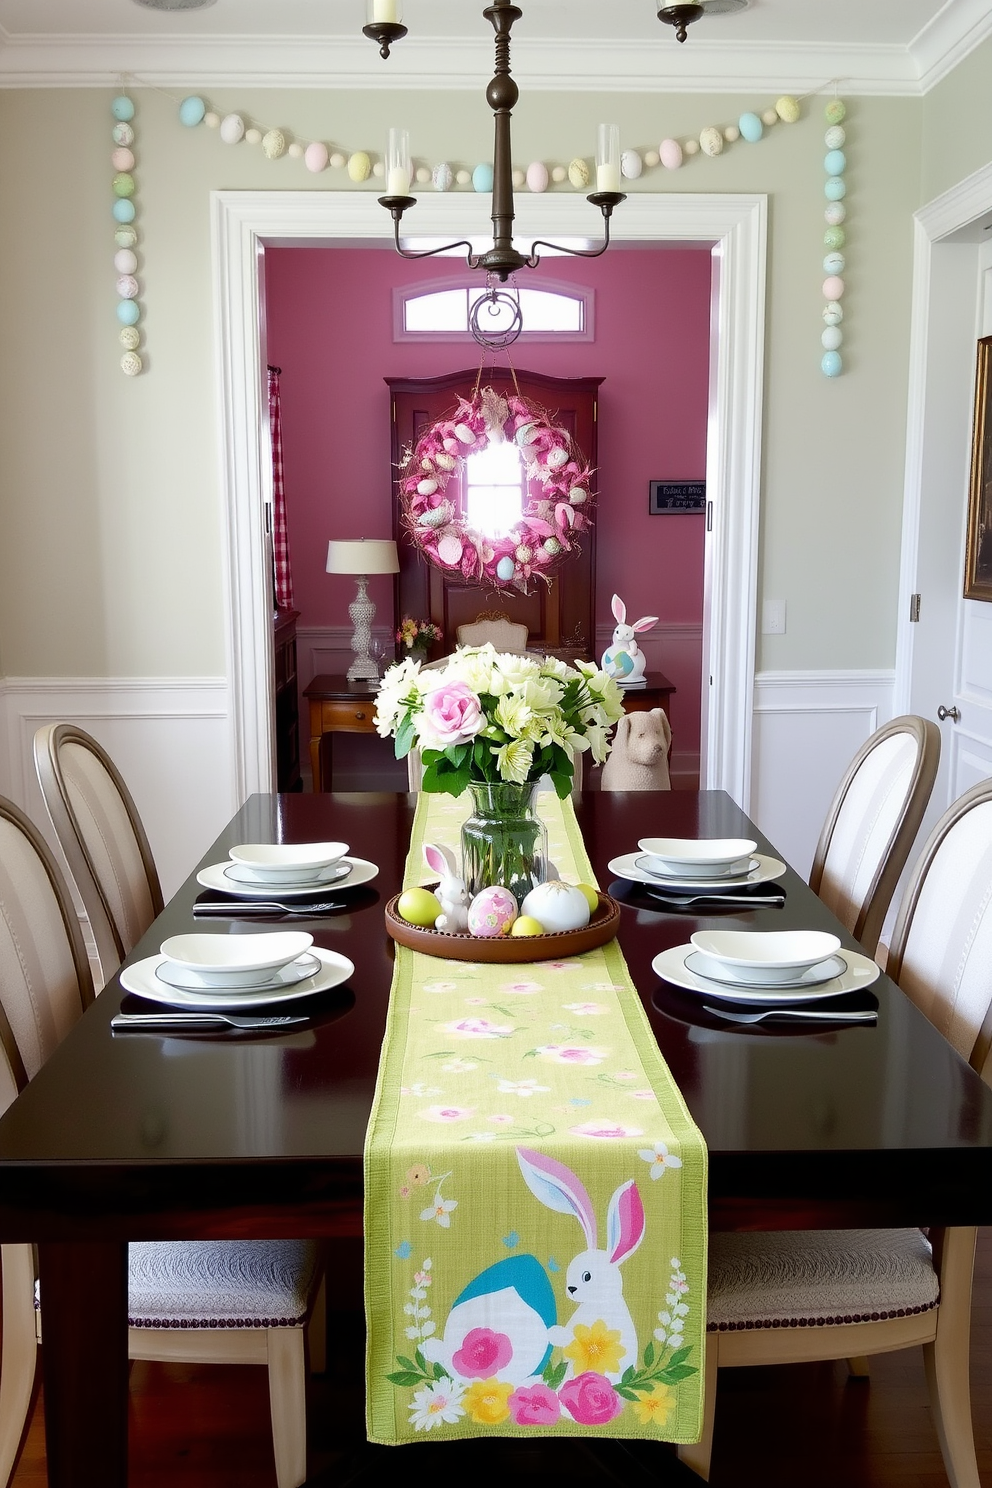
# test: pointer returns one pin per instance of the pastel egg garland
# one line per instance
(834, 238)
(558, 508)
(125, 260)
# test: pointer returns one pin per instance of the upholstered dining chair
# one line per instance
(99, 830)
(506, 635)
(262, 1292)
(872, 824)
(846, 1294)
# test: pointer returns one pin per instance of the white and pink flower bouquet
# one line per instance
(495, 718)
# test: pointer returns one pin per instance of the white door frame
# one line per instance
(244, 223)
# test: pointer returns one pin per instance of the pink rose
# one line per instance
(534, 1405)
(590, 1399)
(482, 1353)
(452, 715)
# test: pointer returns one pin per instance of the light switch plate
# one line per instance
(773, 617)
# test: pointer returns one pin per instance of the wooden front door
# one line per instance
(560, 618)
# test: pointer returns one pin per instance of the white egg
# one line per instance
(557, 906)
(631, 164)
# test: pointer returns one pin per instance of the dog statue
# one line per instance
(638, 760)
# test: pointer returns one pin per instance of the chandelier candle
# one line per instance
(386, 10)
(608, 158)
(398, 169)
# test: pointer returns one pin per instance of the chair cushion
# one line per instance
(221, 1283)
(812, 1278)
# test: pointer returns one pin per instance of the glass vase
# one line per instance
(504, 841)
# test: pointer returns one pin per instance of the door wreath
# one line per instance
(557, 508)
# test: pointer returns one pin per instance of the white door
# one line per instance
(945, 662)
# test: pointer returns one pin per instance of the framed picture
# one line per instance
(665, 497)
(978, 556)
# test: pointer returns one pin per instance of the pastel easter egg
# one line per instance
(835, 111)
(831, 364)
(835, 137)
(464, 434)
(788, 109)
(578, 173)
(125, 237)
(834, 187)
(445, 462)
(273, 144)
(443, 177)
(359, 166)
(129, 337)
(123, 134)
(556, 458)
(253, 136)
(232, 129)
(450, 549)
(831, 338)
(127, 286)
(122, 159)
(315, 157)
(833, 287)
(833, 313)
(670, 154)
(559, 174)
(504, 569)
(123, 184)
(523, 553)
(122, 108)
(557, 905)
(731, 134)
(834, 237)
(492, 913)
(835, 162)
(551, 546)
(631, 164)
(191, 111)
(751, 128)
(834, 214)
(577, 495)
(426, 487)
(128, 312)
(130, 364)
(482, 177)
(123, 210)
(834, 263)
(537, 176)
(710, 140)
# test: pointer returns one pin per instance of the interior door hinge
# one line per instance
(268, 518)
(914, 607)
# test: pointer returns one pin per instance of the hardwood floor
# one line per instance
(207, 1427)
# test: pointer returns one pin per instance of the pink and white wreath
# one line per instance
(558, 507)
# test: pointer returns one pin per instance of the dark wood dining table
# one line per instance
(139, 1136)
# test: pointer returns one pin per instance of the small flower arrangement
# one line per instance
(418, 635)
(492, 718)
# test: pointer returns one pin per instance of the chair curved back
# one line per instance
(941, 953)
(45, 979)
(506, 635)
(100, 832)
(872, 824)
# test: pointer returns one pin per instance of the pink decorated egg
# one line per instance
(492, 912)
(670, 154)
(537, 176)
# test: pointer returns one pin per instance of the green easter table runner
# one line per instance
(535, 1196)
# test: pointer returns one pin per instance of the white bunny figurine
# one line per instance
(593, 1279)
(451, 891)
(624, 661)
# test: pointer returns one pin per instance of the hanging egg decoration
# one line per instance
(335, 161)
(125, 237)
(443, 177)
(831, 364)
(273, 144)
(192, 111)
(578, 173)
(831, 338)
(482, 178)
(631, 165)
(122, 109)
(731, 134)
(253, 136)
(123, 210)
(123, 134)
(788, 109)
(537, 176)
(359, 166)
(127, 286)
(130, 364)
(710, 140)
(833, 313)
(123, 184)
(122, 159)
(835, 163)
(232, 129)
(835, 137)
(128, 312)
(504, 569)
(559, 174)
(129, 337)
(836, 111)
(125, 260)
(834, 238)
(316, 156)
(670, 154)
(769, 117)
(751, 128)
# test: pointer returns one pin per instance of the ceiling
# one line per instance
(868, 46)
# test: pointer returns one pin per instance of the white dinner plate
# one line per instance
(859, 972)
(240, 873)
(718, 971)
(764, 871)
(185, 980)
(215, 877)
(143, 981)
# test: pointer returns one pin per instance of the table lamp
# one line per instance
(362, 556)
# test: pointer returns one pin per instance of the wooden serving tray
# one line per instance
(507, 949)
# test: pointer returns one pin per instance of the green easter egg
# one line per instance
(123, 184)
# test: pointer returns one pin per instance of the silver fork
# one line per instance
(807, 1014)
(161, 1022)
(686, 901)
(244, 907)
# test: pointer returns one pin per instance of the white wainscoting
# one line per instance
(807, 727)
(170, 737)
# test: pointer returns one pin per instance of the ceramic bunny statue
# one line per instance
(624, 661)
(593, 1278)
(451, 891)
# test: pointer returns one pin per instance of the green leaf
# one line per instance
(680, 1355)
(628, 1375)
(421, 1361)
(406, 1363)
(555, 1373)
(439, 1371)
(649, 1355)
(405, 735)
(625, 1392)
(671, 1375)
(402, 1377)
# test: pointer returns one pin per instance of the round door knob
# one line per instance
(952, 713)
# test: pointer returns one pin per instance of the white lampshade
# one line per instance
(362, 555)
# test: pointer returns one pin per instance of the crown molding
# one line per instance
(957, 30)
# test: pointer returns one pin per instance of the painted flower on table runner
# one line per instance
(420, 1090)
(436, 1403)
(586, 1009)
(595, 1347)
(439, 987)
(459, 1066)
(672, 1320)
(521, 989)
(642, 1095)
(417, 1309)
(447, 1113)
(487, 1401)
(523, 1088)
(483, 1354)
(660, 1158)
(655, 1407)
(606, 1130)
(477, 1028)
(590, 1399)
(570, 1054)
(534, 1405)
(440, 1211)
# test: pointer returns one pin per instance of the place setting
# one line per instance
(673, 874)
(753, 978)
(264, 983)
(292, 880)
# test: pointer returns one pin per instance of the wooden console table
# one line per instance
(338, 706)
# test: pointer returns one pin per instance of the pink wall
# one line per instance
(329, 327)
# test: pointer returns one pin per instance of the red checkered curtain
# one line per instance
(282, 578)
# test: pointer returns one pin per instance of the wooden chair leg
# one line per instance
(697, 1454)
(288, 1404)
(19, 1352)
(946, 1359)
(317, 1331)
(858, 1368)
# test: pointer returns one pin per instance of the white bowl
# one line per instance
(236, 960)
(694, 857)
(287, 862)
(766, 955)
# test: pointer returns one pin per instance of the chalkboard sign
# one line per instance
(665, 497)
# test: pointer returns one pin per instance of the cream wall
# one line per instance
(957, 125)
(112, 557)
